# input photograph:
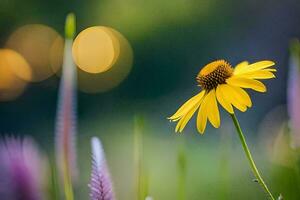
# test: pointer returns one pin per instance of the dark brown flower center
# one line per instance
(213, 74)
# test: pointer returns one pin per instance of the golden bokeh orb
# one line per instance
(37, 43)
(95, 50)
(118, 68)
(12, 67)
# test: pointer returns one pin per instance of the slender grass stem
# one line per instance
(54, 190)
(141, 174)
(249, 157)
(225, 148)
(181, 163)
(68, 187)
(297, 172)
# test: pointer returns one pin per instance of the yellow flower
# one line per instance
(221, 83)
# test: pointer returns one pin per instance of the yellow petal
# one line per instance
(178, 125)
(213, 110)
(247, 83)
(202, 116)
(253, 67)
(242, 96)
(260, 74)
(187, 106)
(271, 70)
(229, 94)
(222, 100)
(261, 65)
(186, 118)
(240, 67)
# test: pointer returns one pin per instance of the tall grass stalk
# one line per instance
(182, 171)
(224, 167)
(53, 186)
(141, 175)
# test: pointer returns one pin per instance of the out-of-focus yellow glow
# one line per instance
(118, 70)
(12, 66)
(94, 50)
(57, 54)
(17, 64)
(282, 152)
(274, 137)
(36, 44)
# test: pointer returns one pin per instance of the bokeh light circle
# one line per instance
(37, 43)
(121, 60)
(94, 50)
(12, 66)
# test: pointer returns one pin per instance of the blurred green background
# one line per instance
(171, 41)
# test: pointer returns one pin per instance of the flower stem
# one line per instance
(249, 157)
(68, 187)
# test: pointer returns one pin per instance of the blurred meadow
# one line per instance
(162, 46)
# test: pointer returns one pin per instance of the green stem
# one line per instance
(181, 165)
(249, 157)
(54, 191)
(142, 177)
(68, 188)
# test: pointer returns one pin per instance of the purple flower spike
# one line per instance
(294, 93)
(100, 183)
(20, 172)
(66, 119)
